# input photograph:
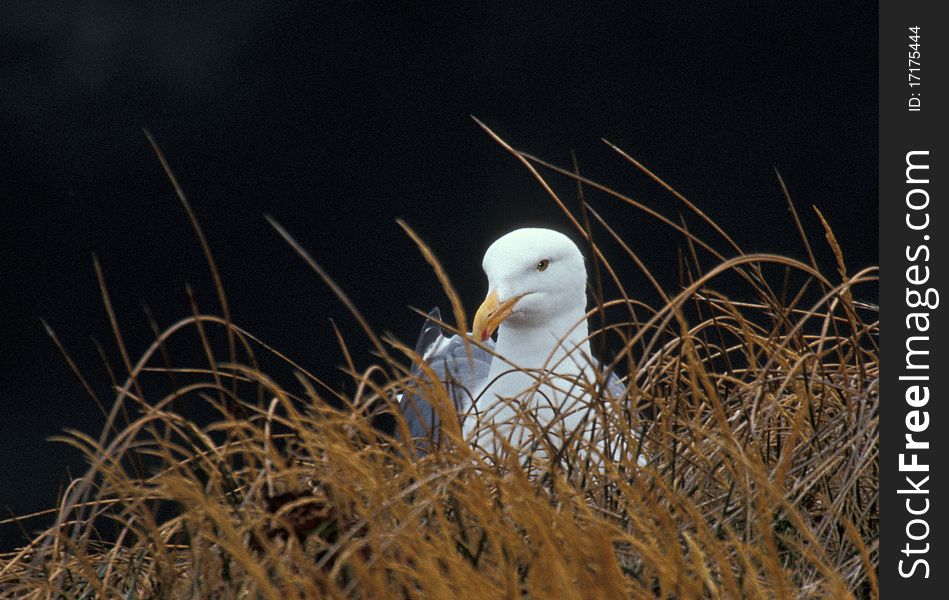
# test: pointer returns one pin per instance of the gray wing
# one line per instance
(614, 385)
(447, 356)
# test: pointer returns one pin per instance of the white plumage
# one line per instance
(532, 393)
(544, 335)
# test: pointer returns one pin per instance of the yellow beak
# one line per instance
(491, 314)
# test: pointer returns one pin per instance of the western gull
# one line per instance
(537, 386)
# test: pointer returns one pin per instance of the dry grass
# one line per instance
(759, 420)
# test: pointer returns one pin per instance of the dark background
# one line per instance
(337, 119)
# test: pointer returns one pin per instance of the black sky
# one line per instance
(337, 118)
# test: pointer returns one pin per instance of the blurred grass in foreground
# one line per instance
(759, 422)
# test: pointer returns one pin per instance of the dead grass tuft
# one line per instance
(758, 416)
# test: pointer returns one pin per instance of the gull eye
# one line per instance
(543, 264)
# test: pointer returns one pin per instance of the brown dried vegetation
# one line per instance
(758, 418)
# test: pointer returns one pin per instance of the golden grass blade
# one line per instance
(338, 291)
(202, 239)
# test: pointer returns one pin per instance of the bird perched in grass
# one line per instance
(538, 389)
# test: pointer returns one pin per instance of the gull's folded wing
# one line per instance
(463, 375)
